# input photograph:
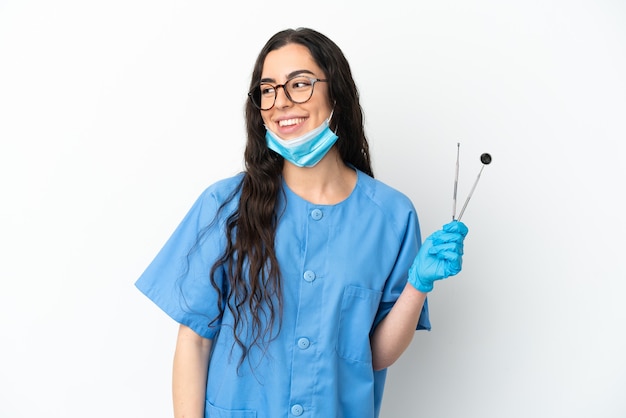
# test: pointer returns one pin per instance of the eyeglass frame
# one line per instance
(313, 80)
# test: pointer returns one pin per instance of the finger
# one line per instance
(457, 227)
(448, 237)
(454, 268)
(452, 264)
(446, 247)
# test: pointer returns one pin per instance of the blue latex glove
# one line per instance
(440, 256)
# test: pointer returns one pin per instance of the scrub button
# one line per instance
(297, 410)
(304, 343)
(309, 276)
(316, 214)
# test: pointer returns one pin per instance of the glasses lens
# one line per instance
(267, 96)
(300, 89)
(263, 96)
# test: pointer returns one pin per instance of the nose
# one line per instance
(282, 100)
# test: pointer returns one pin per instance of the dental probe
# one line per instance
(456, 180)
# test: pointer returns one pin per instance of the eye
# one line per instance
(300, 83)
(266, 90)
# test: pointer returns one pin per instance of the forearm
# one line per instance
(394, 333)
(191, 360)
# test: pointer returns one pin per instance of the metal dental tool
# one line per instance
(486, 160)
(456, 180)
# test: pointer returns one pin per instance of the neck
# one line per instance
(327, 183)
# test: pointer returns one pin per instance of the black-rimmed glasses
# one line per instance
(298, 89)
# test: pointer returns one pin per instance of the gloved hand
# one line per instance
(440, 256)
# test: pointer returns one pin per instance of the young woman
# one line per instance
(297, 282)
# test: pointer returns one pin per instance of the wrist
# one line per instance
(419, 286)
(423, 286)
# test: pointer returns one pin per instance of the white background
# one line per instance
(115, 115)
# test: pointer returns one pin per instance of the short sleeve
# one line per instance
(398, 278)
(178, 279)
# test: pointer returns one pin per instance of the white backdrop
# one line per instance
(115, 115)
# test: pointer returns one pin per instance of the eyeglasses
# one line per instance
(298, 89)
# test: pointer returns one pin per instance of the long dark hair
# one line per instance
(253, 294)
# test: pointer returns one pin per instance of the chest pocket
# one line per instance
(212, 411)
(358, 310)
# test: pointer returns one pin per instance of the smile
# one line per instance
(290, 122)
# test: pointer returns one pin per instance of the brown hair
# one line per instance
(253, 293)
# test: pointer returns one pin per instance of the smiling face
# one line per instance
(287, 119)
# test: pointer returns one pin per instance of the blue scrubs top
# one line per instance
(343, 267)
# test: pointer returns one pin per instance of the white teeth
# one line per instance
(289, 122)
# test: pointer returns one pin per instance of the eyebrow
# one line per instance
(291, 74)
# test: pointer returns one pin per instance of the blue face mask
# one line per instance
(306, 150)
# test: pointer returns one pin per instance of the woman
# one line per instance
(297, 282)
